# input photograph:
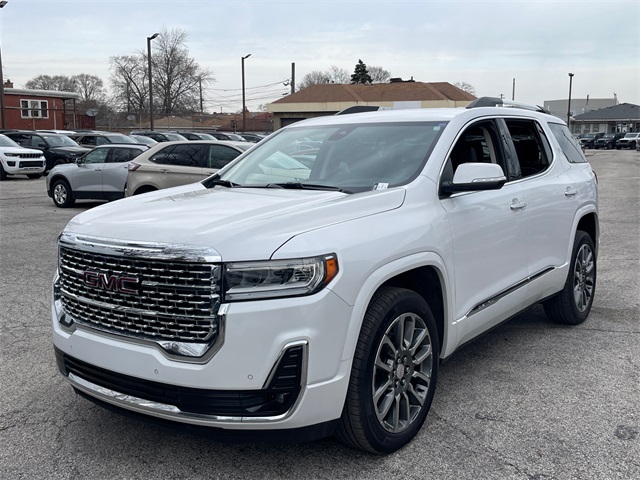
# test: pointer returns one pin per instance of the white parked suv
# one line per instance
(17, 160)
(317, 291)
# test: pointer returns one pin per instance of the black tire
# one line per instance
(572, 305)
(145, 189)
(391, 389)
(3, 174)
(34, 176)
(62, 194)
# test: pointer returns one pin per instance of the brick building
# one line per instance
(43, 110)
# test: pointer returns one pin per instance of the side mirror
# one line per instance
(80, 161)
(473, 177)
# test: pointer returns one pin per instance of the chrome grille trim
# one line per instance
(176, 297)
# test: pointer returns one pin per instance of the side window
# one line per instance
(568, 143)
(101, 140)
(478, 143)
(22, 140)
(120, 155)
(96, 156)
(37, 141)
(529, 144)
(87, 140)
(220, 155)
(183, 155)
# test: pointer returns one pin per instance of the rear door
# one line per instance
(178, 165)
(550, 195)
(216, 157)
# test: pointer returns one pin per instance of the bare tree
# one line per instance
(90, 88)
(466, 87)
(332, 75)
(177, 78)
(60, 83)
(129, 82)
(379, 74)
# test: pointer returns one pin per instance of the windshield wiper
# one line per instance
(305, 186)
(213, 181)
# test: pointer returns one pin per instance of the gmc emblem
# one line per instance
(113, 283)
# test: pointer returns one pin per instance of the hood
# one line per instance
(69, 149)
(239, 223)
(19, 150)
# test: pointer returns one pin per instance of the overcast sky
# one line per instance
(483, 43)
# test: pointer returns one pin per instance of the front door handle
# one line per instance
(517, 204)
(570, 192)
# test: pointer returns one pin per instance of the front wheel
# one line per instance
(62, 196)
(573, 303)
(394, 373)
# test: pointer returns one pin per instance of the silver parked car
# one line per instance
(99, 174)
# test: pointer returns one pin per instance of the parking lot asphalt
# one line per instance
(529, 400)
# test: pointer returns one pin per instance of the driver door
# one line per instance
(87, 173)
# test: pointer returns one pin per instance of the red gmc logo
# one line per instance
(113, 283)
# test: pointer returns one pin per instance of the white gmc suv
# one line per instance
(315, 284)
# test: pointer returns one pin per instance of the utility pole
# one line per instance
(150, 82)
(293, 77)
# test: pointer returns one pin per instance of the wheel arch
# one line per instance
(588, 222)
(423, 273)
(58, 177)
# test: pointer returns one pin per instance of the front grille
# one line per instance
(160, 299)
(276, 398)
(31, 155)
(31, 163)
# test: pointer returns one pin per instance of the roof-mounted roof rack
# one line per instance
(499, 102)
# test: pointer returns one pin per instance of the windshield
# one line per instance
(354, 158)
(7, 142)
(60, 141)
(117, 138)
(174, 136)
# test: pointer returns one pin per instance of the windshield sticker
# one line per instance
(380, 186)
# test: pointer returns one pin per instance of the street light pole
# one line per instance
(244, 113)
(150, 80)
(2, 117)
(569, 103)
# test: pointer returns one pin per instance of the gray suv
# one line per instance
(99, 174)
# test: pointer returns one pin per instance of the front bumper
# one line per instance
(231, 389)
(17, 166)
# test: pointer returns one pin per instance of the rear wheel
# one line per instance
(573, 304)
(394, 373)
(62, 195)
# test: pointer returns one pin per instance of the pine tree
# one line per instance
(361, 74)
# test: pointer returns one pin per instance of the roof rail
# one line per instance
(499, 102)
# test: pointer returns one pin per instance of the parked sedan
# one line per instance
(99, 174)
(178, 163)
(16, 160)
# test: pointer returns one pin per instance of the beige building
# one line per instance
(331, 98)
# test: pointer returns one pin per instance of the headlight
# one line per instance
(278, 278)
(12, 154)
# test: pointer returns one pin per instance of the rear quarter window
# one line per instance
(568, 144)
